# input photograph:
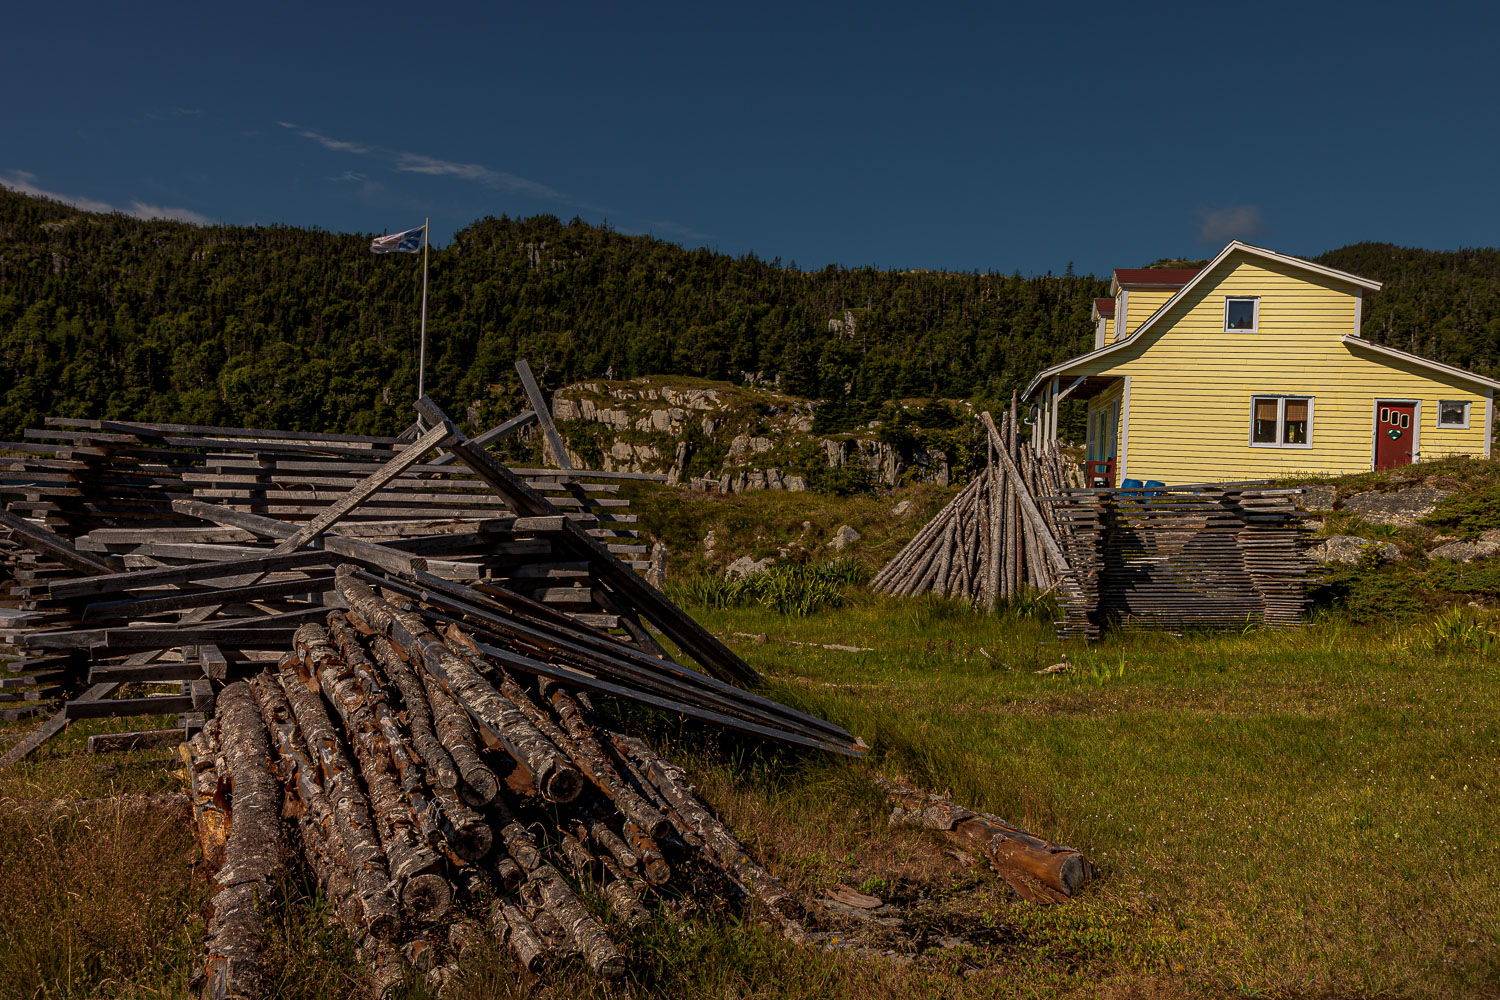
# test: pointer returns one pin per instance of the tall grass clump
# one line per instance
(1457, 630)
(791, 589)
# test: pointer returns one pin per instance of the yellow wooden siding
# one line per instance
(1191, 382)
(1144, 302)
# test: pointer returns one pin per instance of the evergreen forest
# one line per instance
(275, 326)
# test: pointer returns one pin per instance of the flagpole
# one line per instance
(422, 353)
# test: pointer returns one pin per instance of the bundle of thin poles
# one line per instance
(993, 540)
(442, 789)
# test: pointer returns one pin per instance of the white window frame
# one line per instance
(1281, 398)
(1255, 315)
(1468, 410)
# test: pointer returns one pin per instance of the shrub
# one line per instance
(1471, 511)
(843, 480)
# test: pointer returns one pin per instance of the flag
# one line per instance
(407, 242)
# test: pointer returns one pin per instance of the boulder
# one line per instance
(1488, 544)
(1318, 497)
(901, 509)
(1348, 550)
(843, 538)
(796, 484)
(708, 542)
(745, 567)
(1398, 507)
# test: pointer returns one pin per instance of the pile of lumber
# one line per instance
(446, 785)
(1208, 556)
(994, 540)
(100, 498)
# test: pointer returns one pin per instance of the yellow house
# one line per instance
(1252, 368)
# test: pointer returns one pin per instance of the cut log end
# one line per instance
(426, 897)
(562, 784)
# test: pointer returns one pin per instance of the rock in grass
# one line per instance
(843, 538)
(1487, 545)
(1348, 550)
(745, 567)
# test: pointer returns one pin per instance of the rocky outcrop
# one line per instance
(1403, 507)
(1349, 550)
(1488, 544)
(655, 428)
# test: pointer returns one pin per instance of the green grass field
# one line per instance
(1307, 813)
(1304, 813)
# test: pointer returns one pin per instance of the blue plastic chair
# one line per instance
(1153, 482)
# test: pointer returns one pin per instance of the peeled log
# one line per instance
(721, 845)
(347, 884)
(210, 807)
(351, 810)
(413, 864)
(584, 932)
(1039, 871)
(448, 816)
(553, 776)
(254, 856)
(507, 921)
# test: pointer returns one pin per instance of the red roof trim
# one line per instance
(1164, 276)
(1106, 307)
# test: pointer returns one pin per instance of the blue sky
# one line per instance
(900, 135)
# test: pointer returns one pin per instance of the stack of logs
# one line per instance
(439, 797)
(993, 540)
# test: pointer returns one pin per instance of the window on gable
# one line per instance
(1241, 315)
(1453, 413)
(1281, 421)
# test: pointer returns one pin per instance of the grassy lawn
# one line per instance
(1306, 813)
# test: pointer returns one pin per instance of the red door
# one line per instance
(1395, 434)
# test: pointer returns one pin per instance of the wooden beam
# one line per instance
(543, 414)
(49, 543)
(523, 419)
(681, 628)
(30, 743)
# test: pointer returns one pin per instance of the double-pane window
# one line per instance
(1281, 421)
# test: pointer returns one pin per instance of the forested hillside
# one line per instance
(105, 315)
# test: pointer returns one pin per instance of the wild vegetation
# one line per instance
(109, 316)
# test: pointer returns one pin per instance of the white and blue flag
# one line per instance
(407, 242)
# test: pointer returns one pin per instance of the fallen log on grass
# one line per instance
(1038, 870)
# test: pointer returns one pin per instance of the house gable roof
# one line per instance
(1187, 289)
(1153, 277)
(1105, 308)
(1421, 362)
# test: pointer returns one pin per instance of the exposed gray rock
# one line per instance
(1400, 507)
(656, 573)
(708, 542)
(1487, 545)
(1348, 550)
(744, 567)
(901, 508)
(843, 538)
(1318, 497)
(796, 484)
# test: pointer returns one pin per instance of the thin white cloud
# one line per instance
(142, 210)
(25, 183)
(420, 163)
(327, 142)
(1219, 225)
